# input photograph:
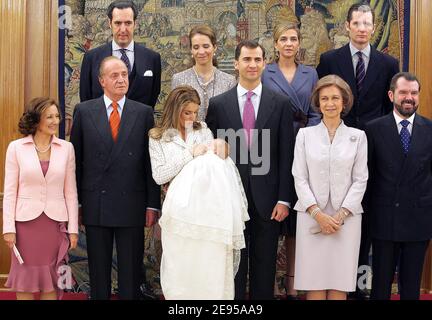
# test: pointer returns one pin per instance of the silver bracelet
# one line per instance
(345, 212)
(314, 212)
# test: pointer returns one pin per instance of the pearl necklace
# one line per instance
(42, 151)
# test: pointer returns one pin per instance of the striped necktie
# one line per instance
(114, 121)
(360, 71)
(125, 59)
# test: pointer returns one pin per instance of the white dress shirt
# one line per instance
(398, 120)
(129, 52)
(256, 98)
(365, 53)
(109, 108)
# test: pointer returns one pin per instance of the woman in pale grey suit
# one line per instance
(330, 174)
(203, 76)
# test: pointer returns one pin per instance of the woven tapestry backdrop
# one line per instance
(163, 25)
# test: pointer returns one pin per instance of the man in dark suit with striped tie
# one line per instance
(144, 65)
(368, 73)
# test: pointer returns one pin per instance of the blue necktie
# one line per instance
(125, 59)
(360, 71)
(405, 135)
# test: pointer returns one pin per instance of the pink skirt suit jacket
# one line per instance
(28, 193)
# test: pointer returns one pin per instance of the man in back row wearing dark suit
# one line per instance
(268, 181)
(144, 65)
(368, 73)
(114, 180)
(400, 191)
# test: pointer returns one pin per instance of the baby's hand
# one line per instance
(220, 148)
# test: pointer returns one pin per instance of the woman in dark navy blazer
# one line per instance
(288, 76)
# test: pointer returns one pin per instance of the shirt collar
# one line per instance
(399, 119)
(108, 102)
(242, 91)
(366, 51)
(130, 47)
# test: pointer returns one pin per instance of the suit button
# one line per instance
(130, 153)
(103, 191)
(397, 204)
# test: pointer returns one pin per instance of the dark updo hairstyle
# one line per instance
(30, 119)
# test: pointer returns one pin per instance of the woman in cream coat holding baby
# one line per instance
(205, 207)
(330, 174)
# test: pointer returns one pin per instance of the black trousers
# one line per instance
(259, 257)
(130, 249)
(386, 255)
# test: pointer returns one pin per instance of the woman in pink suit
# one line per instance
(40, 206)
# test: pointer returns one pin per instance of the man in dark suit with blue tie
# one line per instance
(144, 65)
(114, 180)
(258, 125)
(368, 73)
(400, 191)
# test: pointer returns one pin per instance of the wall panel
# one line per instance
(12, 75)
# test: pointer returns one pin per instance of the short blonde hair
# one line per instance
(333, 80)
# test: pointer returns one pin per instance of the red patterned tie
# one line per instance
(114, 121)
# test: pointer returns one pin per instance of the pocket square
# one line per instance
(148, 73)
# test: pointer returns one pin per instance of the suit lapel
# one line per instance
(346, 67)
(279, 80)
(265, 109)
(232, 110)
(99, 117)
(56, 150)
(372, 71)
(418, 137)
(107, 51)
(391, 138)
(29, 143)
(139, 61)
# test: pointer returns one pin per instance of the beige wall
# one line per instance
(421, 65)
(28, 68)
